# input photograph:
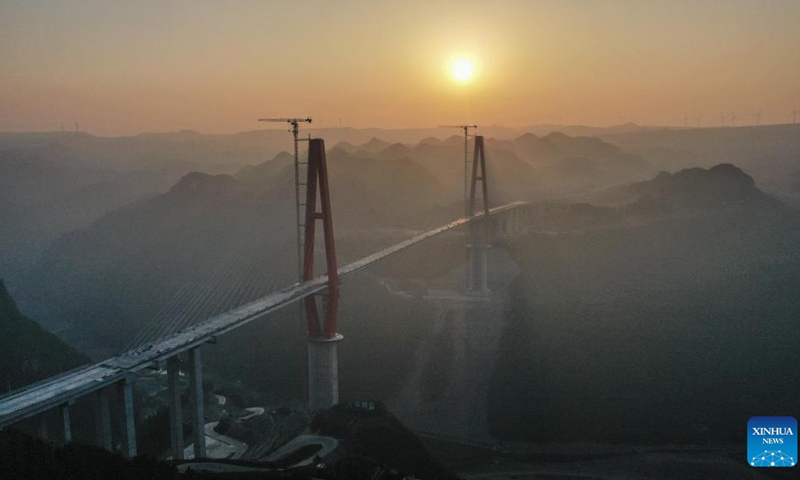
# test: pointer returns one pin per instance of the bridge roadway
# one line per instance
(64, 388)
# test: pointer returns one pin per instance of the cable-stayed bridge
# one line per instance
(115, 373)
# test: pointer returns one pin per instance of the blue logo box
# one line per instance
(772, 442)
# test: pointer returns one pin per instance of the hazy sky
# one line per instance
(128, 67)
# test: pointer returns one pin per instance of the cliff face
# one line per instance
(29, 352)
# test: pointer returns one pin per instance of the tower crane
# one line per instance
(466, 161)
(295, 123)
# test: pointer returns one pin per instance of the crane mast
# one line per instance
(466, 128)
(295, 123)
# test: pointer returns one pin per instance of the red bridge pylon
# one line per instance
(323, 370)
(479, 162)
(478, 246)
(318, 178)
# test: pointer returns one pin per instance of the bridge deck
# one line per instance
(63, 388)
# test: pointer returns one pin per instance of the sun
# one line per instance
(462, 70)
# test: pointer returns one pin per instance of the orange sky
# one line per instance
(218, 66)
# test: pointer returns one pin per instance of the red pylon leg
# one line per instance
(479, 161)
(318, 178)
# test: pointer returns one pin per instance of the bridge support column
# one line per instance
(125, 391)
(478, 246)
(66, 422)
(516, 227)
(103, 420)
(42, 427)
(323, 372)
(478, 266)
(477, 282)
(196, 402)
(175, 411)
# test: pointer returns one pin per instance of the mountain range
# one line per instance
(102, 282)
(719, 187)
(770, 153)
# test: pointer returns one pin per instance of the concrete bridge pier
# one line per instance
(175, 410)
(519, 220)
(514, 226)
(477, 283)
(42, 430)
(510, 223)
(323, 372)
(125, 393)
(66, 421)
(103, 419)
(196, 402)
(478, 268)
(505, 222)
(197, 415)
(103, 424)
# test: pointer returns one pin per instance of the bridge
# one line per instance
(116, 373)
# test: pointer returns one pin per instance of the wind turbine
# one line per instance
(758, 117)
(733, 119)
(697, 120)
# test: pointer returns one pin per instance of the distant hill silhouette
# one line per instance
(375, 145)
(393, 152)
(57, 182)
(769, 153)
(346, 146)
(197, 183)
(430, 140)
(721, 186)
(29, 352)
(252, 175)
(519, 168)
(557, 147)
